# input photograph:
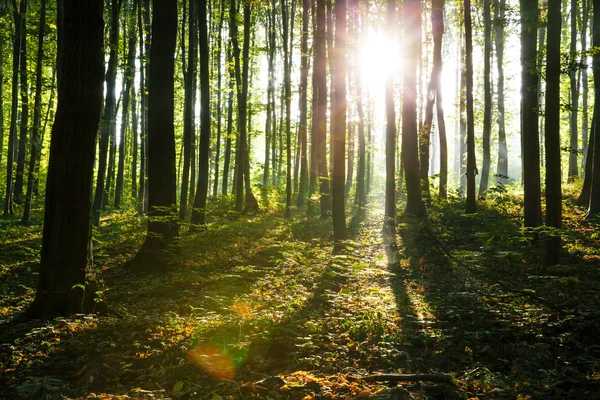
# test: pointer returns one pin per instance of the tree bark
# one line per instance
(499, 22)
(412, 34)
(37, 115)
(303, 106)
(529, 118)
(24, 125)
(594, 205)
(487, 107)
(109, 113)
(552, 129)
(320, 112)
(573, 127)
(64, 286)
(199, 211)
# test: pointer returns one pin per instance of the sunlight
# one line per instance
(379, 55)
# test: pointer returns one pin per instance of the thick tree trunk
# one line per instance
(141, 194)
(529, 117)
(199, 212)
(410, 149)
(64, 287)
(487, 106)
(109, 113)
(287, 81)
(552, 129)
(339, 115)
(37, 115)
(162, 194)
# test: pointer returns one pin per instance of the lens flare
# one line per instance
(213, 360)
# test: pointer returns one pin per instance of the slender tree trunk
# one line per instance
(330, 50)
(584, 82)
(63, 285)
(487, 107)
(339, 114)
(269, 133)
(594, 205)
(141, 194)
(49, 116)
(24, 126)
(552, 129)
(128, 82)
(37, 115)
(389, 223)
(573, 126)
(199, 212)
(229, 129)
(314, 167)
(320, 112)
(136, 137)
(499, 22)
(350, 160)
(529, 118)
(219, 106)
(288, 95)
(471, 206)
(437, 19)
(361, 195)
(109, 113)
(303, 106)
(410, 148)
(1, 96)
(584, 197)
(12, 135)
(463, 116)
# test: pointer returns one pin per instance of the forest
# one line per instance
(299, 199)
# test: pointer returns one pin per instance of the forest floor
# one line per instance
(261, 307)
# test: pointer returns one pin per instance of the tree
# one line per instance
(109, 114)
(37, 111)
(162, 194)
(12, 134)
(63, 286)
(412, 34)
(389, 223)
(339, 114)
(487, 90)
(573, 127)
(552, 129)
(437, 19)
(287, 81)
(303, 106)
(24, 124)
(199, 212)
(189, 107)
(499, 22)
(529, 113)
(594, 205)
(320, 111)
(471, 206)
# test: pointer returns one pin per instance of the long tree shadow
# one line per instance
(489, 327)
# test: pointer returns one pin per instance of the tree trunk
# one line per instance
(303, 106)
(552, 129)
(24, 126)
(471, 206)
(128, 77)
(199, 211)
(594, 205)
(410, 149)
(389, 222)
(584, 196)
(143, 114)
(189, 106)
(219, 106)
(573, 133)
(499, 22)
(269, 132)
(437, 20)
(109, 113)
(529, 117)
(64, 287)
(339, 115)
(37, 115)
(584, 82)
(487, 107)
(288, 94)
(229, 129)
(361, 195)
(162, 181)
(320, 112)
(12, 134)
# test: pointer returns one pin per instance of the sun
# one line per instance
(379, 56)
